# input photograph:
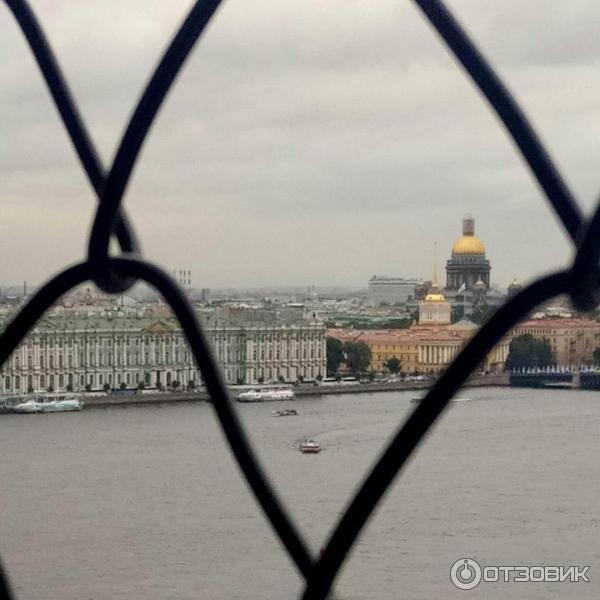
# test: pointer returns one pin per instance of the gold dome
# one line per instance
(435, 295)
(435, 298)
(468, 244)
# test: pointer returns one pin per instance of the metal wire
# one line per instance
(115, 274)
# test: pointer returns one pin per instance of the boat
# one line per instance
(8, 403)
(60, 402)
(558, 385)
(267, 395)
(309, 446)
(46, 403)
(27, 407)
(286, 412)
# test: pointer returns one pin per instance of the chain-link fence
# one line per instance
(118, 274)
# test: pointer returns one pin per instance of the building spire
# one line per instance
(434, 282)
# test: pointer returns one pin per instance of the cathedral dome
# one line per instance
(514, 287)
(468, 244)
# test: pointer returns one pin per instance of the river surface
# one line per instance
(147, 503)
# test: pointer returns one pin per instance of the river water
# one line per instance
(147, 503)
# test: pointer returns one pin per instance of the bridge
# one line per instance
(565, 378)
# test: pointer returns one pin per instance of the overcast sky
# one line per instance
(304, 142)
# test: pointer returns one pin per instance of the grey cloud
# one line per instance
(299, 135)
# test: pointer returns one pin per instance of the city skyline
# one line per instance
(341, 145)
(184, 276)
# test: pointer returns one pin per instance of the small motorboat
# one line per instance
(309, 446)
(286, 412)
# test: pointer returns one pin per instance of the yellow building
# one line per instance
(421, 349)
(391, 343)
(427, 347)
(573, 341)
(435, 309)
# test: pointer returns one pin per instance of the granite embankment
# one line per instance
(106, 400)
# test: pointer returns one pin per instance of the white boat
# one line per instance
(266, 395)
(309, 446)
(43, 403)
(60, 402)
(27, 406)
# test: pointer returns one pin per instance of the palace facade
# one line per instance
(94, 353)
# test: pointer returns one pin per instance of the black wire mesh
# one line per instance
(117, 274)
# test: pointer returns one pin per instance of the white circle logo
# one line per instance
(465, 573)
